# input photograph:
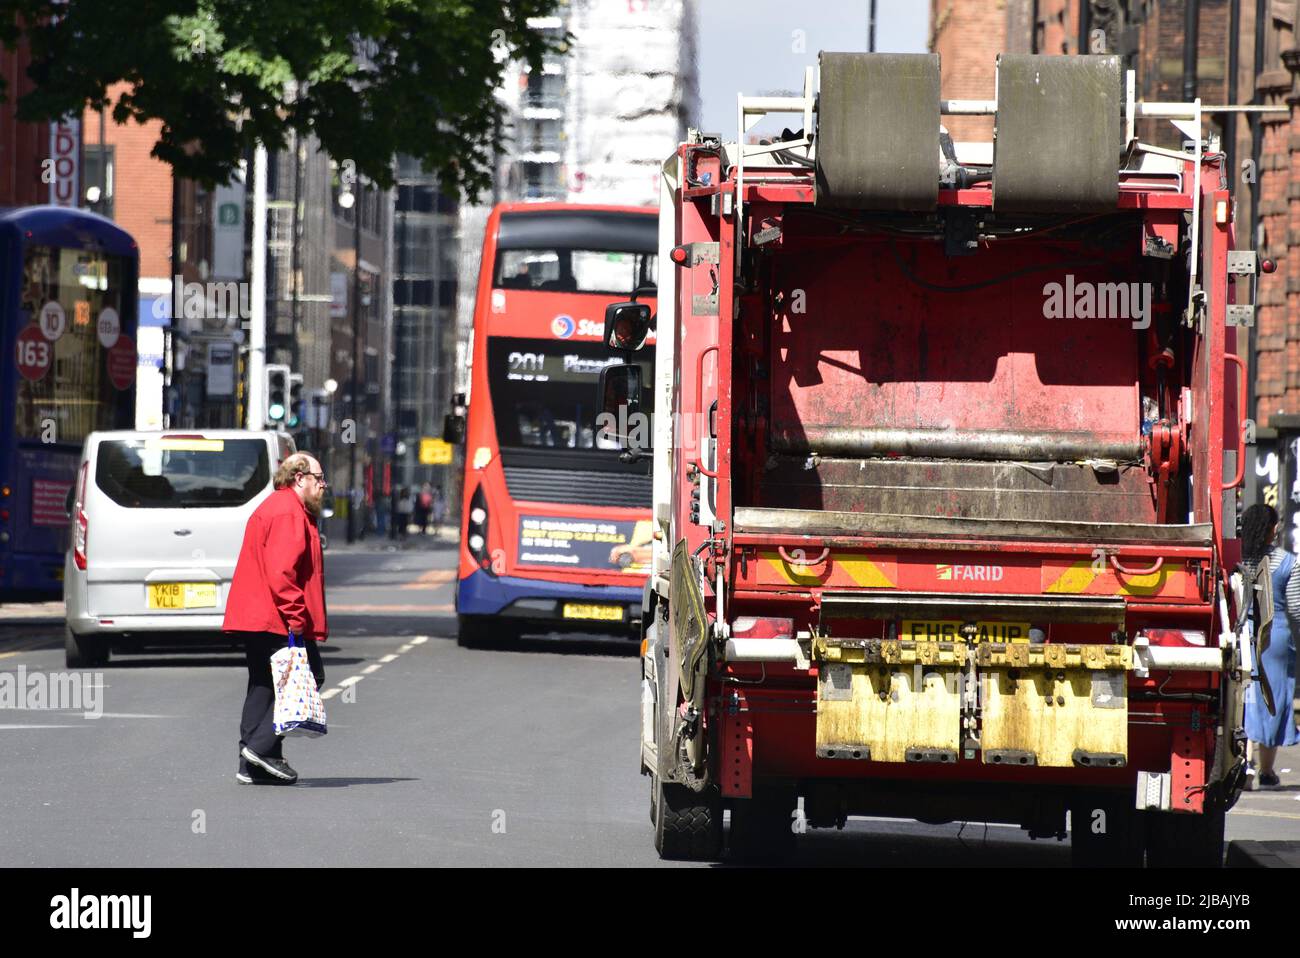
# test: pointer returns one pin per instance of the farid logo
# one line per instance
(562, 327)
(970, 573)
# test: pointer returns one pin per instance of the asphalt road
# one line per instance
(436, 755)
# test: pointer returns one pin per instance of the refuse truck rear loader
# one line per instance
(945, 440)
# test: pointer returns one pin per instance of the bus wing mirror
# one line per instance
(453, 429)
(627, 325)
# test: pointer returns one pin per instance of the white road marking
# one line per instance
(406, 648)
(420, 640)
(387, 658)
(10, 727)
(371, 668)
(330, 694)
(350, 680)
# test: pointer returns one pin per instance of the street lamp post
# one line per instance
(353, 527)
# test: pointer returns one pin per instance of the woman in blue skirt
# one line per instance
(1271, 728)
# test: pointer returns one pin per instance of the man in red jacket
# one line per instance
(278, 588)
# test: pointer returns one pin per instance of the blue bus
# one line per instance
(68, 316)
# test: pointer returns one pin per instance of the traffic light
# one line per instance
(277, 392)
(294, 413)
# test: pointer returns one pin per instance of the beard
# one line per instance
(313, 501)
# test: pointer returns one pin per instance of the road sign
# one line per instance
(35, 353)
(434, 452)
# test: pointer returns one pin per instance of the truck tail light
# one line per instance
(749, 627)
(476, 532)
(81, 527)
(1175, 637)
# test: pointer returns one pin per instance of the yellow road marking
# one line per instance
(431, 578)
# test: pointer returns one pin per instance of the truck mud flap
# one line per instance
(889, 701)
(1054, 706)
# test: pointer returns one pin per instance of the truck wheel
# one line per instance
(83, 652)
(654, 794)
(762, 827)
(688, 824)
(1177, 840)
(1106, 831)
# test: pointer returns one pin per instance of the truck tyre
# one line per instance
(763, 827)
(1106, 831)
(654, 794)
(83, 652)
(1177, 840)
(688, 824)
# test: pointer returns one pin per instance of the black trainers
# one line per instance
(1269, 780)
(276, 767)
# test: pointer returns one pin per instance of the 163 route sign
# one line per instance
(35, 353)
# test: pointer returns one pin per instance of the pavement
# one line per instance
(436, 755)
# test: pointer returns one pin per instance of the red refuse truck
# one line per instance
(946, 438)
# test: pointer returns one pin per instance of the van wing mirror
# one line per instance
(627, 325)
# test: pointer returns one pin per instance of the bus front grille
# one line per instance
(579, 487)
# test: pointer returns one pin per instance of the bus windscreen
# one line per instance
(546, 269)
(544, 391)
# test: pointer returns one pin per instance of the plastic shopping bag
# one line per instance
(298, 706)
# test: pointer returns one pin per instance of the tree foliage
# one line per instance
(370, 78)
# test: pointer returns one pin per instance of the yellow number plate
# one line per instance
(949, 630)
(606, 613)
(182, 595)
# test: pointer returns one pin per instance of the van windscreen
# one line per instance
(182, 472)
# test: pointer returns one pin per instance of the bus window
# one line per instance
(575, 271)
(76, 394)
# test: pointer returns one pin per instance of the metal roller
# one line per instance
(1057, 142)
(1005, 446)
(878, 131)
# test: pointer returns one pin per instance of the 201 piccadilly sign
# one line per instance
(65, 162)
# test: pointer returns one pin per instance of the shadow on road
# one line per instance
(902, 848)
(345, 782)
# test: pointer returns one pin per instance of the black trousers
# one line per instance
(257, 726)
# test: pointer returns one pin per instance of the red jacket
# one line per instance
(279, 583)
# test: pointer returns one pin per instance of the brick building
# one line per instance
(1225, 52)
(23, 146)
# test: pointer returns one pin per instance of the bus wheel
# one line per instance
(483, 631)
(1106, 830)
(1186, 841)
(688, 824)
(763, 827)
(82, 652)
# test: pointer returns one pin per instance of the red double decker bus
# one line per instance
(556, 530)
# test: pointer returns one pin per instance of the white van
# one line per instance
(157, 523)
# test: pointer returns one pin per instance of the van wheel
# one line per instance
(83, 652)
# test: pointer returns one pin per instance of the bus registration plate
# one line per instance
(606, 613)
(182, 595)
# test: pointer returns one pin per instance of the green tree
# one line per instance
(370, 78)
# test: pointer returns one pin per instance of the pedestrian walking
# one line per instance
(278, 589)
(439, 510)
(1270, 718)
(424, 508)
(403, 512)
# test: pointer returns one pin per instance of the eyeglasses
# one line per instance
(318, 476)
